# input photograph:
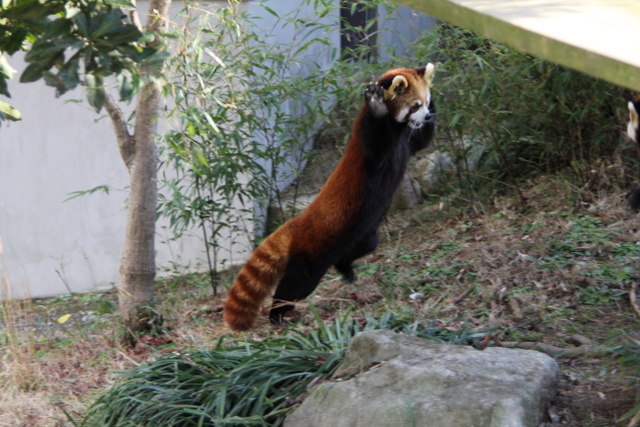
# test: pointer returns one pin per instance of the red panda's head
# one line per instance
(407, 94)
(633, 128)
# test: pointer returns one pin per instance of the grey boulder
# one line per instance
(397, 380)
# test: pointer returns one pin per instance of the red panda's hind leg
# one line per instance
(300, 279)
(362, 248)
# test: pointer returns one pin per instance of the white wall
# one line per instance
(59, 148)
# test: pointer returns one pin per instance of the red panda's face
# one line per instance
(633, 128)
(407, 94)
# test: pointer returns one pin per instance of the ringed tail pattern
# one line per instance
(257, 280)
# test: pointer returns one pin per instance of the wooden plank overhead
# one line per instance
(598, 37)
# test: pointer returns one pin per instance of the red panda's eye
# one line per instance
(414, 108)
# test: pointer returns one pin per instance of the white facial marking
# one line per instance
(418, 117)
(402, 114)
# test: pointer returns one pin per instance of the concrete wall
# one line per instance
(400, 27)
(58, 148)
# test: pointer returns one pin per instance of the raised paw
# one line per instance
(374, 97)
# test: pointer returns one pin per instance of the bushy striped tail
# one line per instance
(257, 280)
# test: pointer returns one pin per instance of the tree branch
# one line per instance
(133, 16)
(125, 141)
(158, 19)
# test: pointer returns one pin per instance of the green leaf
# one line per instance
(127, 34)
(202, 158)
(125, 85)
(32, 73)
(215, 57)
(111, 22)
(75, 194)
(81, 23)
(121, 4)
(58, 28)
(157, 59)
(95, 91)
(67, 78)
(209, 119)
(271, 11)
(6, 71)
(44, 51)
(8, 112)
(15, 41)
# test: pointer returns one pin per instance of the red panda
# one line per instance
(340, 225)
(633, 130)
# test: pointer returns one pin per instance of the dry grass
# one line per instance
(43, 373)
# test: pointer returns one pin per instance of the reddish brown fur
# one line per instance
(340, 225)
(329, 215)
(264, 267)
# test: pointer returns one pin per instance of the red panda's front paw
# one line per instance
(374, 97)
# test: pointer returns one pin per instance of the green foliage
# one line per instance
(244, 383)
(248, 383)
(251, 382)
(599, 295)
(66, 39)
(246, 111)
(244, 129)
(506, 116)
(586, 237)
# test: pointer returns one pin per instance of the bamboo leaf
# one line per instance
(271, 11)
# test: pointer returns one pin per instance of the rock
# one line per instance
(407, 195)
(399, 380)
(429, 168)
(463, 155)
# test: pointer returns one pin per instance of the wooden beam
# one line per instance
(598, 37)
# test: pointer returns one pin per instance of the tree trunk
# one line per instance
(137, 266)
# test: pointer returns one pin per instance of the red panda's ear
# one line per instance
(398, 85)
(429, 72)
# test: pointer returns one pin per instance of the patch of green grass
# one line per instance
(599, 295)
(626, 250)
(521, 336)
